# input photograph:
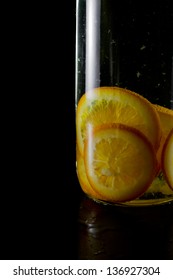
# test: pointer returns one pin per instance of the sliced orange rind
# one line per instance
(82, 177)
(166, 120)
(120, 162)
(105, 105)
(167, 159)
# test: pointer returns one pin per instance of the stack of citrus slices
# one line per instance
(118, 138)
(166, 118)
(162, 182)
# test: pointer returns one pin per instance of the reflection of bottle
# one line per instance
(124, 115)
(121, 233)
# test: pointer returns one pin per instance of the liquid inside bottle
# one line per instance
(124, 101)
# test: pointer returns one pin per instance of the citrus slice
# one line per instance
(166, 119)
(120, 162)
(82, 177)
(116, 105)
(167, 159)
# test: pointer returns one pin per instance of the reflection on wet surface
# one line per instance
(116, 232)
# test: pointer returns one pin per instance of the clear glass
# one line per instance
(124, 101)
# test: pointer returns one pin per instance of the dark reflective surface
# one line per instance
(113, 232)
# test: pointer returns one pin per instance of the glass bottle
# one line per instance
(124, 101)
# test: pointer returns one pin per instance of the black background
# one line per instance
(39, 189)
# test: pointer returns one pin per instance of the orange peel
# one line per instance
(166, 120)
(167, 159)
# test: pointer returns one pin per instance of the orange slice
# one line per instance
(82, 177)
(120, 162)
(116, 105)
(167, 159)
(166, 118)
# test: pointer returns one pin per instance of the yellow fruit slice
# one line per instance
(167, 159)
(120, 162)
(166, 118)
(116, 105)
(82, 177)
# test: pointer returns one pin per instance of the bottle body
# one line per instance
(124, 101)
